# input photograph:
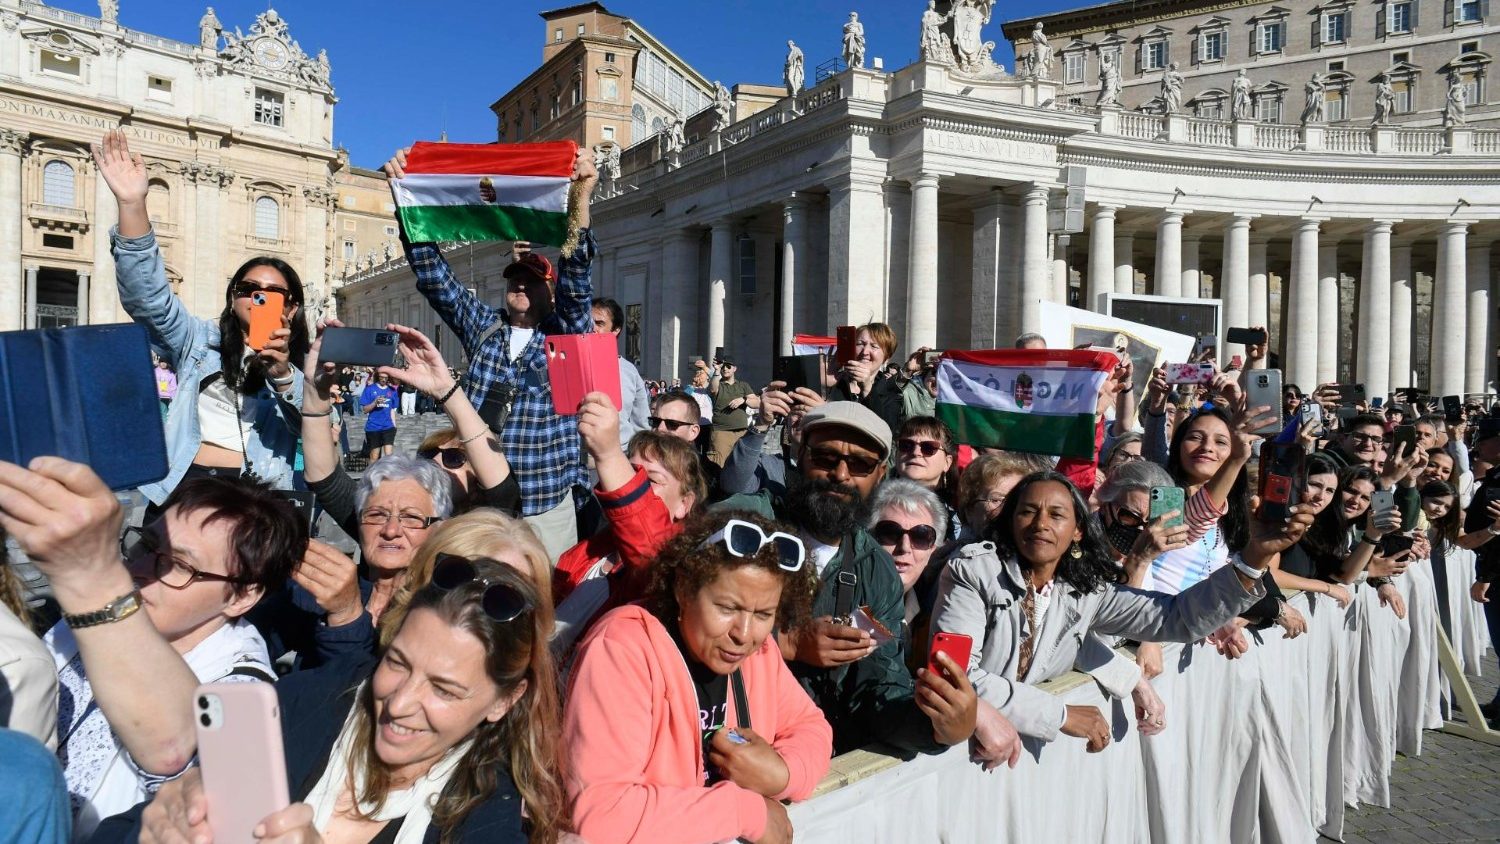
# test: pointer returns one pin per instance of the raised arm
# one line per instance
(573, 306)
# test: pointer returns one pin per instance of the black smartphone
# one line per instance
(1246, 336)
(800, 371)
(302, 500)
(1453, 408)
(843, 596)
(359, 346)
(1280, 480)
(1350, 393)
(1393, 544)
(718, 354)
(1404, 435)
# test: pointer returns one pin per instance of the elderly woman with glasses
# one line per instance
(683, 723)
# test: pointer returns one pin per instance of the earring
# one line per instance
(1076, 552)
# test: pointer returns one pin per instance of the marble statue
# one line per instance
(390, 251)
(1317, 92)
(722, 106)
(1456, 105)
(1385, 100)
(209, 29)
(1171, 89)
(795, 70)
(970, 49)
(854, 42)
(1040, 60)
(607, 157)
(1242, 105)
(325, 71)
(935, 44)
(109, 11)
(1109, 79)
(676, 140)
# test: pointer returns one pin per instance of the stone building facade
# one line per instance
(236, 132)
(1350, 44)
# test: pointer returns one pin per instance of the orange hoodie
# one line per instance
(633, 737)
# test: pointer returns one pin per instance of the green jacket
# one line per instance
(871, 700)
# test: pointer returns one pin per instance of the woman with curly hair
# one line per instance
(683, 722)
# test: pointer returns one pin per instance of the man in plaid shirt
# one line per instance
(508, 362)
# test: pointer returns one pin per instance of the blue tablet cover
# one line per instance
(87, 394)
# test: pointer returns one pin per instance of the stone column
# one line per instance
(857, 236)
(1481, 333)
(208, 286)
(1036, 279)
(12, 147)
(1449, 325)
(720, 268)
(1301, 342)
(793, 265)
(315, 281)
(104, 299)
(1124, 262)
(1234, 288)
(921, 285)
(1192, 267)
(1060, 245)
(1101, 278)
(83, 298)
(1401, 299)
(1260, 292)
(991, 309)
(1169, 254)
(1373, 366)
(31, 286)
(1328, 314)
(679, 299)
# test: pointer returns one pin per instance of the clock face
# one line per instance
(271, 54)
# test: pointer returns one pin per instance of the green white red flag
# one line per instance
(486, 192)
(1041, 401)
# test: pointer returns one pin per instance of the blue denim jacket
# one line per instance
(191, 346)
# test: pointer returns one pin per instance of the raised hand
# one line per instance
(395, 168)
(425, 368)
(124, 172)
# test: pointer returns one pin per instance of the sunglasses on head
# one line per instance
(911, 446)
(828, 461)
(672, 424)
(743, 539)
(887, 532)
(453, 458)
(500, 601)
(249, 288)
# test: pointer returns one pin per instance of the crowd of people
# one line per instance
(655, 622)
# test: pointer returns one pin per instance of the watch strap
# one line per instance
(119, 609)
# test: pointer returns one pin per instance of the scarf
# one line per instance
(414, 804)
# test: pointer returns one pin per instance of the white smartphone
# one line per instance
(240, 752)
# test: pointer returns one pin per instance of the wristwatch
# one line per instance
(119, 609)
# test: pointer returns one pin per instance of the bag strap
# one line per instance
(741, 701)
(251, 670)
(488, 333)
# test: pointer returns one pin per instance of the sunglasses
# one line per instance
(927, 447)
(672, 424)
(500, 601)
(250, 288)
(453, 458)
(828, 461)
(743, 539)
(887, 532)
(1129, 518)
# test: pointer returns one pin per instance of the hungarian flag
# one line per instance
(812, 344)
(486, 192)
(1041, 401)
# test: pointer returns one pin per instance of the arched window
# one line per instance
(637, 123)
(267, 218)
(57, 184)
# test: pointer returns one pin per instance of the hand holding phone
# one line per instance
(957, 646)
(240, 751)
(1164, 500)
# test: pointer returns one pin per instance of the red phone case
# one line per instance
(956, 645)
(579, 364)
(847, 336)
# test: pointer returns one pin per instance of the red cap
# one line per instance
(535, 264)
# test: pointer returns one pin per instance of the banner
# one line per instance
(1041, 401)
(1147, 347)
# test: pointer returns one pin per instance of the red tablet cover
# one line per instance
(579, 364)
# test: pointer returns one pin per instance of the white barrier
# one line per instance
(1269, 747)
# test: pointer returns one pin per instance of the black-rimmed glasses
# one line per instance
(673, 425)
(887, 532)
(500, 601)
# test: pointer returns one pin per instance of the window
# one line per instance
(581, 29)
(1074, 67)
(57, 184)
(1211, 48)
(349, 254)
(1333, 107)
(268, 107)
(1403, 96)
(1468, 11)
(1270, 37)
(1469, 47)
(637, 123)
(609, 58)
(607, 132)
(1334, 67)
(1211, 108)
(556, 106)
(159, 199)
(1399, 17)
(536, 118)
(557, 35)
(158, 88)
(267, 218)
(390, 231)
(57, 241)
(577, 89)
(1154, 55)
(1473, 89)
(55, 62)
(1335, 27)
(658, 67)
(1401, 57)
(674, 92)
(747, 265)
(1268, 108)
(609, 89)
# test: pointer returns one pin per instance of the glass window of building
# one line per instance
(267, 218)
(1335, 27)
(1074, 66)
(1211, 48)
(1400, 19)
(58, 184)
(269, 106)
(1270, 37)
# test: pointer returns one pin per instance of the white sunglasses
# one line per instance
(743, 539)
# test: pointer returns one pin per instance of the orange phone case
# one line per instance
(265, 317)
(240, 752)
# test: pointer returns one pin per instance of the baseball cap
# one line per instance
(849, 414)
(535, 264)
(727, 358)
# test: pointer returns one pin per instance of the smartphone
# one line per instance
(847, 336)
(1263, 389)
(1350, 393)
(1395, 544)
(1377, 402)
(1236, 362)
(240, 752)
(1190, 373)
(956, 645)
(800, 371)
(1453, 408)
(1207, 343)
(1382, 501)
(1246, 336)
(579, 364)
(302, 500)
(843, 596)
(1404, 435)
(1311, 411)
(1280, 490)
(1165, 499)
(932, 356)
(359, 346)
(265, 317)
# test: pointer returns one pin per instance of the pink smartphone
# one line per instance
(1190, 373)
(239, 750)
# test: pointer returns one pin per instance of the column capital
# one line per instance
(1312, 223)
(798, 199)
(1102, 208)
(924, 179)
(1377, 226)
(1242, 218)
(1457, 226)
(13, 142)
(1171, 214)
(1037, 193)
(725, 222)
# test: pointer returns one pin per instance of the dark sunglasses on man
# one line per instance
(453, 458)
(887, 532)
(826, 460)
(673, 425)
(500, 601)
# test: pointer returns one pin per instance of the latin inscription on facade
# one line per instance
(991, 149)
(93, 122)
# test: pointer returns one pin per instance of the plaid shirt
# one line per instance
(542, 447)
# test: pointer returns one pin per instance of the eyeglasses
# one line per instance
(1366, 438)
(249, 288)
(410, 521)
(166, 569)
(828, 461)
(991, 501)
(927, 447)
(672, 424)
(500, 601)
(1129, 517)
(743, 539)
(453, 458)
(1122, 457)
(887, 532)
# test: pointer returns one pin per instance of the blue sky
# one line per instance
(405, 70)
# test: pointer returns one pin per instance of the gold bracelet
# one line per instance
(467, 440)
